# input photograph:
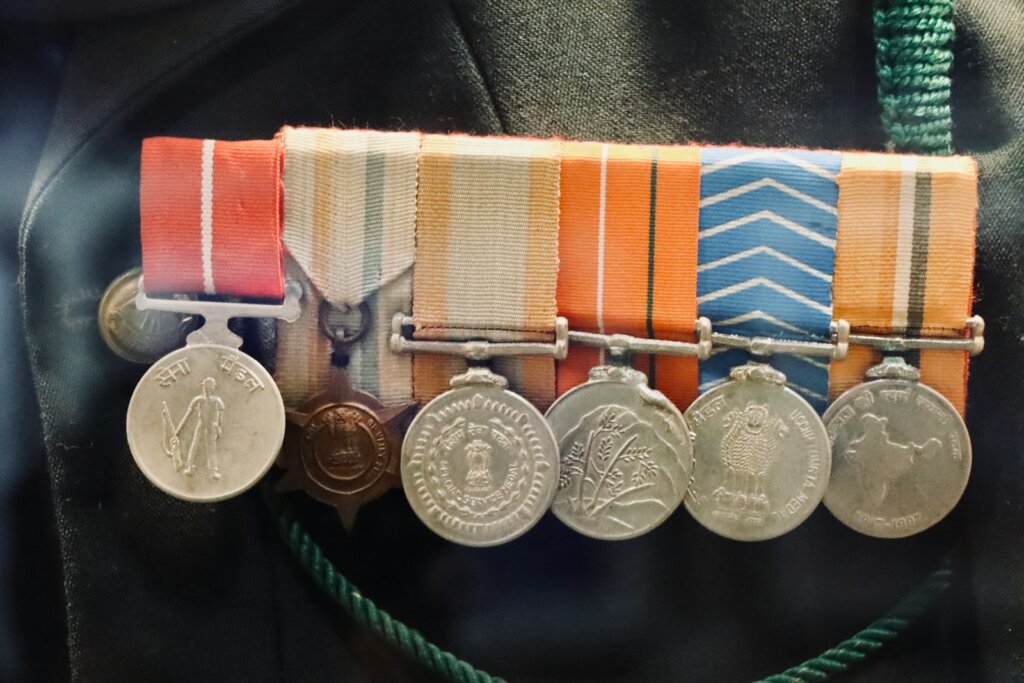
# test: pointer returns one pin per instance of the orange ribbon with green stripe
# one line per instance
(628, 254)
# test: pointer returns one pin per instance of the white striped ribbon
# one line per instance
(349, 225)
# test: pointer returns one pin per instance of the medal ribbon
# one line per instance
(766, 255)
(349, 224)
(211, 217)
(627, 248)
(486, 254)
(905, 260)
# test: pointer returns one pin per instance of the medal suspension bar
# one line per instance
(972, 341)
(217, 313)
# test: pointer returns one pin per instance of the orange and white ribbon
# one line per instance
(486, 253)
(905, 259)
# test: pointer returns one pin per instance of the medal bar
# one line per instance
(836, 348)
(477, 349)
(220, 414)
(973, 341)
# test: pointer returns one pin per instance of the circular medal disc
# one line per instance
(625, 452)
(479, 463)
(346, 450)
(762, 460)
(902, 457)
(205, 423)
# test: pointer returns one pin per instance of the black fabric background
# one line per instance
(160, 590)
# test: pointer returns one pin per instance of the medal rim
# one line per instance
(544, 430)
(279, 439)
(826, 458)
(687, 443)
(961, 425)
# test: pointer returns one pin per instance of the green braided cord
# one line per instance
(913, 56)
(412, 643)
(366, 613)
(873, 637)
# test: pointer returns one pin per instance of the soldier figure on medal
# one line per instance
(209, 401)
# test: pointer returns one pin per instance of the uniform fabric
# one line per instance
(157, 589)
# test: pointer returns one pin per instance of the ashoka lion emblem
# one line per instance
(750, 448)
(480, 467)
(345, 444)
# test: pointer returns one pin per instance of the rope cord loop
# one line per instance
(874, 636)
(913, 56)
(362, 609)
(414, 645)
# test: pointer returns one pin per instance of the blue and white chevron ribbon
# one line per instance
(766, 253)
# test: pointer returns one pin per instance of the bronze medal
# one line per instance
(343, 446)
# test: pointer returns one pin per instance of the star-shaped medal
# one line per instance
(343, 447)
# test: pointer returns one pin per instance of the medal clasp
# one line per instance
(216, 314)
(972, 341)
(836, 348)
(478, 349)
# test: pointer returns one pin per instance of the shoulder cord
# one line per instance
(913, 56)
(913, 43)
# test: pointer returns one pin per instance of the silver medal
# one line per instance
(479, 463)
(901, 454)
(762, 454)
(625, 452)
(207, 421)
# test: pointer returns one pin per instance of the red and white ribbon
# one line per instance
(211, 217)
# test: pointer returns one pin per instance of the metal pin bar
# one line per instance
(624, 343)
(766, 346)
(289, 309)
(478, 349)
(217, 313)
(974, 343)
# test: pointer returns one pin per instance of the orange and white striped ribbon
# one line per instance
(628, 254)
(486, 254)
(349, 225)
(905, 259)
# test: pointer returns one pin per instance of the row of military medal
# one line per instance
(612, 458)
